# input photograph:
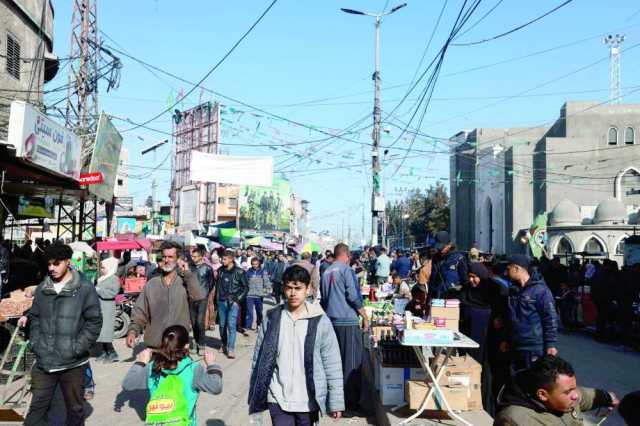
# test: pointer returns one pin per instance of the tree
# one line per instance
(418, 215)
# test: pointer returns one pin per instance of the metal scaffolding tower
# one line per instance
(614, 43)
(196, 129)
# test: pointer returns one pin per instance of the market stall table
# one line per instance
(423, 352)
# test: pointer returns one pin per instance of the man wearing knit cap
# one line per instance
(449, 268)
(533, 322)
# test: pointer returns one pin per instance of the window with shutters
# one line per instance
(13, 57)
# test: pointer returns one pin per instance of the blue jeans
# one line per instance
(251, 302)
(228, 316)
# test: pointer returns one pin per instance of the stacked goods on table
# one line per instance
(438, 329)
(446, 313)
(460, 384)
(17, 303)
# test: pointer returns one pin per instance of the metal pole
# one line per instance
(153, 196)
(375, 154)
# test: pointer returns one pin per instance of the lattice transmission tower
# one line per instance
(614, 42)
(82, 93)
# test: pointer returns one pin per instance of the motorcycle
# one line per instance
(124, 306)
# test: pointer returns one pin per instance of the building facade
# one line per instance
(584, 171)
(26, 53)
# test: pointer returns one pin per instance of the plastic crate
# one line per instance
(134, 285)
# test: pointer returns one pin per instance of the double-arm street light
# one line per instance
(377, 199)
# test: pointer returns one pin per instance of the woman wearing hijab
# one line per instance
(107, 288)
(479, 299)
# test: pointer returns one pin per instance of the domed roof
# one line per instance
(610, 211)
(565, 213)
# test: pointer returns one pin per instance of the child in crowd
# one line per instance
(296, 369)
(400, 288)
(173, 379)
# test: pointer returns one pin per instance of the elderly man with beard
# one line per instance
(164, 300)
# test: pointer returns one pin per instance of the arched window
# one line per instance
(620, 246)
(629, 136)
(630, 187)
(613, 136)
(564, 247)
(594, 246)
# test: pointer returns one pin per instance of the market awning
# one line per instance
(124, 245)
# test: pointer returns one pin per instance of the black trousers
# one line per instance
(43, 387)
(198, 311)
(352, 354)
(279, 417)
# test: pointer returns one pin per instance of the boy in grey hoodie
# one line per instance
(296, 369)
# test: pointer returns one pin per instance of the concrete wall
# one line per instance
(581, 166)
(21, 19)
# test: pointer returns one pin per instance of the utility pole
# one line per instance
(377, 198)
(614, 43)
(153, 149)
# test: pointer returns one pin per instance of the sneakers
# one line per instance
(223, 350)
(231, 355)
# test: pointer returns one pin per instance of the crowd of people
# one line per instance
(309, 352)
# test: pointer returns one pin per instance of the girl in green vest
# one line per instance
(173, 379)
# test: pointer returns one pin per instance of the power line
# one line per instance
(229, 52)
(475, 24)
(519, 27)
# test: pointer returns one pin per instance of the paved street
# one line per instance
(113, 406)
(613, 368)
(610, 367)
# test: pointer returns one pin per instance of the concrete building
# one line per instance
(584, 171)
(227, 202)
(26, 53)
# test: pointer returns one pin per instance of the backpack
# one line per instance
(168, 405)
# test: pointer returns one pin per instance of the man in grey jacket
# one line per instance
(164, 300)
(296, 368)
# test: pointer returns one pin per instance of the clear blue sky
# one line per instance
(308, 50)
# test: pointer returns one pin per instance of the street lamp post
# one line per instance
(377, 200)
(153, 149)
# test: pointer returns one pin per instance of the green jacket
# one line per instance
(522, 410)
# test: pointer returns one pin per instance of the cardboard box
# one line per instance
(390, 381)
(463, 372)
(458, 398)
(452, 324)
(447, 313)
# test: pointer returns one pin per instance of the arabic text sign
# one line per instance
(42, 141)
(105, 158)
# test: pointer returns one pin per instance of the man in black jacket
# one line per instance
(65, 323)
(231, 290)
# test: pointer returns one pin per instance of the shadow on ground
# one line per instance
(137, 400)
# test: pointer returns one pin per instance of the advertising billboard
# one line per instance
(41, 141)
(105, 158)
(266, 208)
(36, 207)
(125, 225)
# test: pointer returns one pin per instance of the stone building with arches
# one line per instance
(584, 170)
